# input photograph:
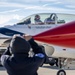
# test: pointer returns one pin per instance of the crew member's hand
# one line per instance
(27, 37)
(15, 35)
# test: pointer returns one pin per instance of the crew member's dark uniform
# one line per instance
(18, 63)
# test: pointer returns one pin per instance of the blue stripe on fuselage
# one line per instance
(9, 32)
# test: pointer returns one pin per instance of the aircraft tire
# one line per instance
(61, 72)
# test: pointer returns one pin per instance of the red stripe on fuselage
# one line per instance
(63, 35)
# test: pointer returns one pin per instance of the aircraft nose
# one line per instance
(2, 30)
(9, 32)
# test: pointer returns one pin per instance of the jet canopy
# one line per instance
(47, 18)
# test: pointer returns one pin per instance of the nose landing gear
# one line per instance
(60, 65)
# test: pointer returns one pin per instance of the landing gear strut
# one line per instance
(60, 65)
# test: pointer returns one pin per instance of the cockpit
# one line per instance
(47, 18)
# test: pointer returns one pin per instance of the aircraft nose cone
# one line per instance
(9, 32)
(2, 30)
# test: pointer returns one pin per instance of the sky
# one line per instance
(12, 11)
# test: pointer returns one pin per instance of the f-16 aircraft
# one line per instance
(36, 24)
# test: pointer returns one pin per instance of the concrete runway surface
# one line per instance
(45, 70)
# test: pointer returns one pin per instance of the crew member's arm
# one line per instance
(36, 48)
(7, 51)
(5, 55)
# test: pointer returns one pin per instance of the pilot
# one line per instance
(50, 19)
(37, 20)
(16, 58)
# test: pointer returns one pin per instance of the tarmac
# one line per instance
(45, 70)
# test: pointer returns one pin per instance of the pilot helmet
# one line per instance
(37, 16)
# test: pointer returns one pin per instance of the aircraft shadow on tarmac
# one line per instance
(54, 67)
(51, 67)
